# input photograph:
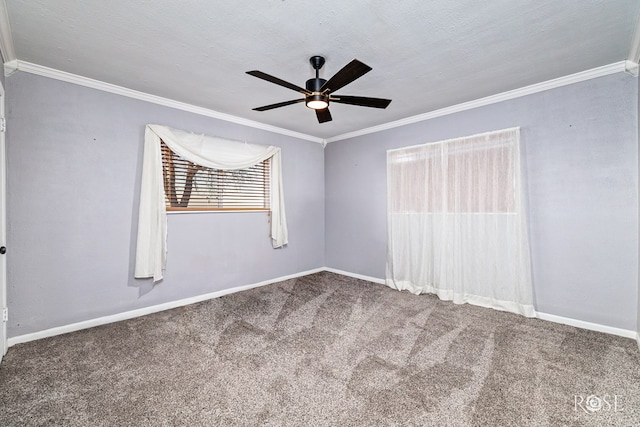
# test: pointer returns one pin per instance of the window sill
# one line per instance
(213, 211)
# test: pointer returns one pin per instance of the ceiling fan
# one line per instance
(319, 92)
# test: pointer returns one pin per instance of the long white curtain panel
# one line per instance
(457, 222)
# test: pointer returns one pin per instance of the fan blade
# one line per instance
(278, 105)
(270, 78)
(353, 70)
(361, 101)
(323, 115)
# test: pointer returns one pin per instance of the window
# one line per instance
(191, 187)
(170, 183)
(457, 222)
(464, 176)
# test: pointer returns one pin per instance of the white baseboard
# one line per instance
(59, 330)
(588, 325)
(542, 316)
(355, 275)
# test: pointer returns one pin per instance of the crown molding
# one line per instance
(28, 67)
(10, 67)
(504, 96)
(632, 68)
(634, 51)
(119, 90)
(6, 41)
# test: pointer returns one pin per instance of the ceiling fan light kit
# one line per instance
(318, 92)
(317, 101)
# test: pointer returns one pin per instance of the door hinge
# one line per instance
(3, 125)
(5, 314)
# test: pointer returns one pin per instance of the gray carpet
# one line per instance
(324, 350)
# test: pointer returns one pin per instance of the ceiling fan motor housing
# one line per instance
(314, 85)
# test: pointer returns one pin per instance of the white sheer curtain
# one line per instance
(457, 222)
(217, 153)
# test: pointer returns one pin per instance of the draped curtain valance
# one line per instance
(211, 152)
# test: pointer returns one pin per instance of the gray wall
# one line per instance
(74, 165)
(581, 152)
(74, 158)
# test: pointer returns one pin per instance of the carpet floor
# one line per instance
(324, 350)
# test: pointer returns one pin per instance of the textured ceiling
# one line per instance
(425, 55)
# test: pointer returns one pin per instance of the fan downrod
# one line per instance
(314, 85)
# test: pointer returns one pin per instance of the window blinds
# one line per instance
(191, 187)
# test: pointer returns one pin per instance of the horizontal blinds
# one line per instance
(188, 186)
